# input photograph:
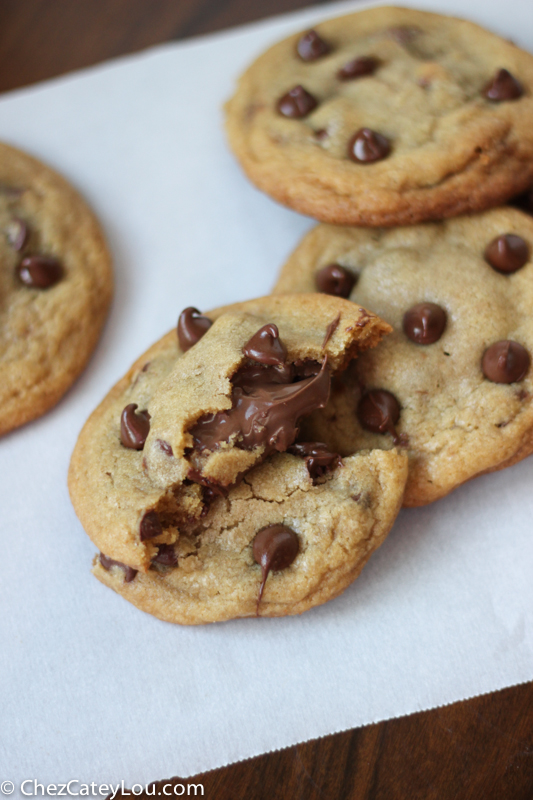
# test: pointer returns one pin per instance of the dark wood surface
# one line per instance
(481, 749)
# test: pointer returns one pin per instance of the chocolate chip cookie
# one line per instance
(55, 287)
(388, 116)
(453, 383)
(192, 479)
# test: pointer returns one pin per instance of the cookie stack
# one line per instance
(252, 462)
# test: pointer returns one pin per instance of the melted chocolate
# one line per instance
(266, 347)
(330, 330)
(251, 374)
(263, 414)
(107, 563)
(319, 460)
(165, 447)
(134, 427)
(274, 548)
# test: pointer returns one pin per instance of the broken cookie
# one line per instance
(192, 474)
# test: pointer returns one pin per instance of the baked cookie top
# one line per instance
(387, 116)
(453, 382)
(56, 285)
(192, 455)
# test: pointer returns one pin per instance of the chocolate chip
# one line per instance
(424, 323)
(191, 327)
(150, 526)
(166, 556)
(274, 548)
(311, 46)
(367, 146)
(335, 280)
(319, 459)
(321, 134)
(107, 563)
(379, 412)
(40, 272)
(17, 233)
(505, 362)
(134, 427)
(358, 68)
(297, 103)
(507, 253)
(503, 86)
(266, 347)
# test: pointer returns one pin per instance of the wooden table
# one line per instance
(481, 749)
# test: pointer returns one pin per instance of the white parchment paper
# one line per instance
(94, 690)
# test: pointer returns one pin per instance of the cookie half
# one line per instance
(453, 382)
(56, 286)
(191, 478)
(387, 116)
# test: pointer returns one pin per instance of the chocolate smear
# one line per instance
(134, 427)
(107, 563)
(507, 253)
(297, 103)
(150, 526)
(330, 330)
(266, 347)
(40, 272)
(505, 362)
(263, 414)
(335, 280)
(311, 46)
(319, 459)
(366, 146)
(503, 86)
(424, 323)
(274, 548)
(379, 411)
(165, 447)
(191, 327)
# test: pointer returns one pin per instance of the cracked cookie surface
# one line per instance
(188, 528)
(464, 406)
(387, 116)
(56, 285)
